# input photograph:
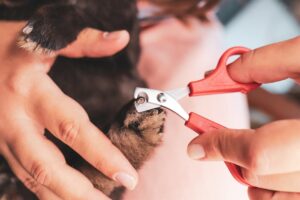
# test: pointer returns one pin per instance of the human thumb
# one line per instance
(226, 144)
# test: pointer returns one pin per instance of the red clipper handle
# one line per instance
(200, 125)
(219, 81)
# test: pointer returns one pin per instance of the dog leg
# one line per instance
(51, 28)
(137, 135)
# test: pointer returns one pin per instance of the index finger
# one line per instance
(268, 64)
(46, 165)
(69, 122)
(95, 43)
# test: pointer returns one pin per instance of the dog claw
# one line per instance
(27, 30)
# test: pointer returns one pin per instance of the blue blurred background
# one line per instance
(255, 23)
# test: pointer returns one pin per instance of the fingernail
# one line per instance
(112, 35)
(126, 180)
(196, 151)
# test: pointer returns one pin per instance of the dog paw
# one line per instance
(26, 42)
(143, 128)
(148, 125)
(50, 29)
(137, 134)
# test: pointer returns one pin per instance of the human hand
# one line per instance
(269, 156)
(268, 64)
(30, 102)
(261, 194)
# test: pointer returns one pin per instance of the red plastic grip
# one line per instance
(219, 81)
(201, 125)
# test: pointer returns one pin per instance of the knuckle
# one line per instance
(247, 57)
(243, 58)
(246, 60)
(41, 174)
(68, 132)
(223, 144)
(31, 184)
(28, 181)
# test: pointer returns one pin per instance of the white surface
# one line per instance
(262, 22)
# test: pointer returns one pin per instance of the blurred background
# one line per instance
(254, 23)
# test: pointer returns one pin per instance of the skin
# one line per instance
(30, 102)
(269, 156)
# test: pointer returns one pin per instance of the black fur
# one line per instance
(100, 85)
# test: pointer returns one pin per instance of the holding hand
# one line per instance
(270, 155)
(30, 102)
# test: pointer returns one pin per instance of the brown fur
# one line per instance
(136, 135)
